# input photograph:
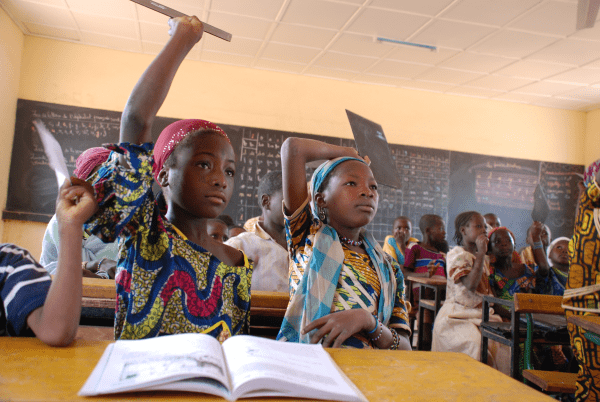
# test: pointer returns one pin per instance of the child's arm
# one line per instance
(472, 279)
(153, 86)
(295, 153)
(56, 322)
(539, 254)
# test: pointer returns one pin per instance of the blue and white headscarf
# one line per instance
(314, 296)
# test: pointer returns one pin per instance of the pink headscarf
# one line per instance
(174, 133)
(590, 172)
(88, 160)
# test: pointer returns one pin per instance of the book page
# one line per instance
(263, 367)
(138, 364)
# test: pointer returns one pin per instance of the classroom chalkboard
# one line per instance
(432, 180)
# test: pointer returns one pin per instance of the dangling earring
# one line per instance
(322, 215)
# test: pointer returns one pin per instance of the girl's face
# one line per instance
(472, 230)
(559, 255)
(402, 226)
(502, 243)
(351, 196)
(201, 182)
(217, 230)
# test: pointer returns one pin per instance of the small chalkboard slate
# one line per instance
(371, 142)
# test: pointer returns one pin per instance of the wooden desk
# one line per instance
(436, 284)
(34, 371)
(590, 323)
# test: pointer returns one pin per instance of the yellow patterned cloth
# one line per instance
(166, 284)
(584, 257)
(358, 283)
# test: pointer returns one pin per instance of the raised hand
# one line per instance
(482, 244)
(76, 202)
(190, 27)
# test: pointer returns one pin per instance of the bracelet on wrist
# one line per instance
(380, 325)
(537, 245)
(371, 332)
(396, 340)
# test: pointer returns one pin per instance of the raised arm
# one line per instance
(539, 254)
(153, 86)
(295, 153)
(471, 281)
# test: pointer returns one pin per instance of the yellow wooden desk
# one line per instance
(32, 371)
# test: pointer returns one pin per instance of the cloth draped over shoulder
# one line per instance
(314, 294)
(165, 283)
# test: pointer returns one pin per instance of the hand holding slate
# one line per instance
(540, 205)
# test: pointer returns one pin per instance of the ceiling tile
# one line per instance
(112, 42)
(302, 36)
(448, 76)
(569, 51)
(189, 7)
(585, 93)
(551, 17)
(513, 43)
(113, 8)
(546, 88)
(45, 15)
(267, 9)
(242, 46)
(276, 65)
(107, 25)
(386, 24)
(476, 62)
(346, 62)
(532, 69)
(295, 54)
(491, 12)
(593, 64)
(475, 92)
(588, 33)
(318, 71)
(522, 98)
(319, 13)
(429, 86)
(56, 3)
(456, 35)
(379, 80)
(244, 27)
(154, 32)
(430, 7)
(225, 58)
(361, 45)
(398, 69)
(420, 55)
(146, 15)
(499, 83)
(151, 47)
(582, 76)
(53, 32)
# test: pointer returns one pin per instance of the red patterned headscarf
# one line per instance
(88, 160)
(590, 172)
(174, 133)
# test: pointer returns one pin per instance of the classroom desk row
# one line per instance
(33, 371)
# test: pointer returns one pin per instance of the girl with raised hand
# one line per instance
(172, 276)
(344, 290)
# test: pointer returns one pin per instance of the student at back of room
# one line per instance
(344, 290)
(172, 276)
(396, 244)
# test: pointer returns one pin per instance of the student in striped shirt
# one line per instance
(32, 303)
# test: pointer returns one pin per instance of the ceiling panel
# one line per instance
(523, 51)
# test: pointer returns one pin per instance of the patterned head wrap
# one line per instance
(552, 245)
(88, 160)
(174, 133)
(314, 296)
(590, 172)
(321, 173)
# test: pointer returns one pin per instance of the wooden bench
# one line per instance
(552, 381)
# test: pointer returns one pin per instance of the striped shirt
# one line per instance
(24, 285)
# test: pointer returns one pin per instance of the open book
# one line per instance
(243, 367)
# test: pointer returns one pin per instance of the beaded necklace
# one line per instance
(350, 242)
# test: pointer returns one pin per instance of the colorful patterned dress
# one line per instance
(505, 288)
(166, 284)
(582, 292)
(358, 284)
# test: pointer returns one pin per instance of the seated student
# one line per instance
(99, 258)
(236, 230)
(492, 219)
(558, 257)
(217, 229)
(29, 299)
(508, 275)
(427, 258)
(266, 247)
(172, 276)
(250, 224)
(456, 327)
(527, 255)
(344, 290)
(396, 244)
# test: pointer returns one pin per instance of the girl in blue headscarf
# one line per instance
(344, 290)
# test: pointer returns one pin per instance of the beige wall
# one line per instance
(72, 74)
(592, 137)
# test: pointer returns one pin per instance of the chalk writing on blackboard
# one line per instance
(505, 184)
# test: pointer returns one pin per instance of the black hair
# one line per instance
(226, 219)
(461, 221)
(427, 221)
(170, 161)
(270, 184)
(490, 214)
(406, 218)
